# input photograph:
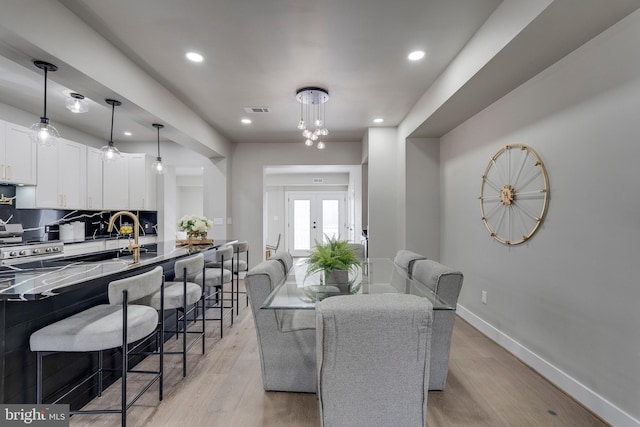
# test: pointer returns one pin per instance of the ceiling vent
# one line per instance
(256, 109)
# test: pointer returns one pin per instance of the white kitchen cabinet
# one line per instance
(17, 155)
(94, 179)
(61, 178)
(115, 184)
(72, 176)
(142, 182)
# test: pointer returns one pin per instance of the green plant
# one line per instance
(333, 255)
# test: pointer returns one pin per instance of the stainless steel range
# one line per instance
(14, 251)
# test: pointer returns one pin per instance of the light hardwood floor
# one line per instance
(486, 386)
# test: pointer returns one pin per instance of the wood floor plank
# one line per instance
(486, 386)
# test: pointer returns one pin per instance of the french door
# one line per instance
(312, 216)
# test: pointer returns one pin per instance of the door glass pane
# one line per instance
(302, 224)
(330, 219)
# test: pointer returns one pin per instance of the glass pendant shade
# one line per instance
(157, 165)
(77, 104)
(308, 143)
(43, 132)
(321, 145)
(109, 152)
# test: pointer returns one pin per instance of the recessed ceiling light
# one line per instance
(246, 121)
(128, 133)
(194, 56)
(378, 120)
(416, 55)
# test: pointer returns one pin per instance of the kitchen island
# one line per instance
(33, 295)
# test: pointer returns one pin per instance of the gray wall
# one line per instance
(423, 196)
(247, 181)
(383, 178)
(567, 300)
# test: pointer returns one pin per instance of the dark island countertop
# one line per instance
(42, 279)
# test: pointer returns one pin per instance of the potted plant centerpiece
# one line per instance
(336, 259)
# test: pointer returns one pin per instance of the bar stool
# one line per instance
(180, 296)
(216, 277)
(236, 265)
(108, 326)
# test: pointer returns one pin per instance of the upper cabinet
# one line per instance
(142, 182)
(62, 178)
(94, 179)
(17, 155)
(115, 189)
(129, 183)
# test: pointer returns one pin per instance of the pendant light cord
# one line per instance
(113, 111)
(158, 128)
(44, 115)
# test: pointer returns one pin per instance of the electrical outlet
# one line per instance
(484, 297)
(47, 228)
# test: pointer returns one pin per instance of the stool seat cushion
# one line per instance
(238, 265)
(174, 295)
(212, 276)
(98, 328)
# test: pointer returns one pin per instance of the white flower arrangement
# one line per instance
(195, 224)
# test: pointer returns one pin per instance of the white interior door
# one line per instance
(312, 217)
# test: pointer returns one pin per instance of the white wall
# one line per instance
(247, 179)
(567, 300)
(423, 200)
(383, 179)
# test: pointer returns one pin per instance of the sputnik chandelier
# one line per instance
(312, 114)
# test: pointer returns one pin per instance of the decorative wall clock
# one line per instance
(514, 194)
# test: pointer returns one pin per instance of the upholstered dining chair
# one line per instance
(285, 259)
(358, 249)
(446, 283)
(373, 354)
(287, 355)
(405, 259)
(269, 248)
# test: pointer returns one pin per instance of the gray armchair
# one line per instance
(358, 249)
(287, 355)
(446, 283)
(373, 360)
(285, 259)
(406, 259)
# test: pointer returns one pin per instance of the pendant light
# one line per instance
(312, 114)
(76, 103)
(109, 152)
(157, 165)
(43, 132)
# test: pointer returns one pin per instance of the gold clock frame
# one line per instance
(514, 194)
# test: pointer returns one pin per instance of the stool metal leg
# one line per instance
(203, 321)
(39, 377)
(184, 326)
(100, 373)
(125, 359)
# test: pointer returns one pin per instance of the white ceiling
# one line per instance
(257, 53)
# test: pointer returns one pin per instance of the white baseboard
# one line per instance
(587, 397)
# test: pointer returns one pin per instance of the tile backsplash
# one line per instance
(44, 224)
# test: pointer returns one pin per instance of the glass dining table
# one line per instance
(297, 291)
